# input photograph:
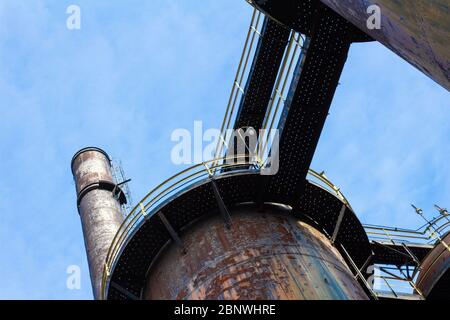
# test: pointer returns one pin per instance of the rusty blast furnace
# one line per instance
(225, 228)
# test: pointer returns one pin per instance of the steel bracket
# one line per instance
(123, 291)
(338, 224)
(173, 234)
(222, 207)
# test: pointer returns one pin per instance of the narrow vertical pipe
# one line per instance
(99, 210)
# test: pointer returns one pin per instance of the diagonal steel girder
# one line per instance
(309, 102)
(263, 74)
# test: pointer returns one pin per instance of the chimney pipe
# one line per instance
(99, 210)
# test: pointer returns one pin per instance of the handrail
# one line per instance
(429, 234)
(278, 96)
(239, 78)
(397, 281)
(426, 234)
(328, 184)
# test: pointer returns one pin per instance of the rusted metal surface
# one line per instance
(262, 256)
(90, 165)
(434, 266)
(418, 30)
(99, 211)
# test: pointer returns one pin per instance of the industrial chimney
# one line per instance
(98, 206)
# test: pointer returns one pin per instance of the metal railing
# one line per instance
(295, 52)
(428, 234)
(397, 282)
(242, 73)
(321, 180)
(400, 281)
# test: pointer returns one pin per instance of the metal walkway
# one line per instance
(273, 39)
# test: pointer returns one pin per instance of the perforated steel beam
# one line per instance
(310, 101)
(263, 74)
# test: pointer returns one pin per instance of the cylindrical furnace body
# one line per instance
(268, 255)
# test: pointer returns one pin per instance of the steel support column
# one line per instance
(310, 102)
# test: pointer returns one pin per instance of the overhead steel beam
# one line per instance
(310, 102)
(263, 74)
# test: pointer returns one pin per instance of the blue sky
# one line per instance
(138, 70)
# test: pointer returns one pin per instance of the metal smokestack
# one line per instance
(98, 207)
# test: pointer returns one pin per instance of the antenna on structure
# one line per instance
(121, 185)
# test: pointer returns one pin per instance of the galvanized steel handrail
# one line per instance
(429, 234)
(296, 41)
(326, 184)
(426, 234)
(239, 78)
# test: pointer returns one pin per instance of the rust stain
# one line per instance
(262, 256)
(418, 31)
